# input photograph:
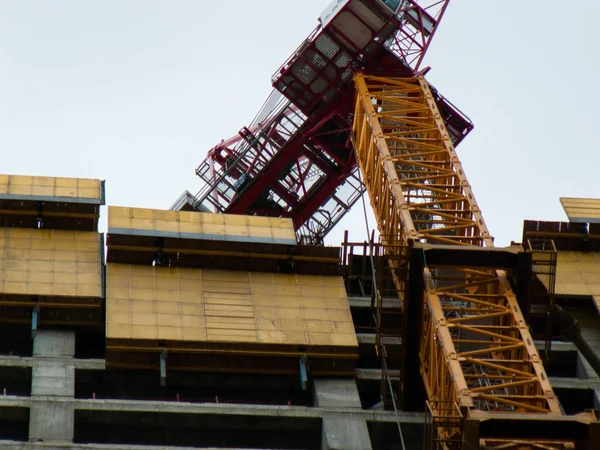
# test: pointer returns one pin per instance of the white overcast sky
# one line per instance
(136, 91)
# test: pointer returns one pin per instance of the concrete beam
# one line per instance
(16, 445)
(90, 364)
(557, 346)
(15, 361)
(238, 409)
(100, 364)
(374, 374)
(220, 409)
(575, 383)
(12, 401)
(365, 302)
(369, 338)
(24, 361)
(363, 338)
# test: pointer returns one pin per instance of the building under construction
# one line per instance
(224, 322)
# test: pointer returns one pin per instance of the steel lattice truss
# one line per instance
(429, 198)
(281, 167)
(476, 351)
(419, 20)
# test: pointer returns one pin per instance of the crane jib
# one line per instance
(464, 329)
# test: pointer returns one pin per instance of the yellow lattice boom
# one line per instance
(476, 351)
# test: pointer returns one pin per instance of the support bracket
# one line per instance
(40, 215)
(163, 368)
(35, 320)
(303, 371)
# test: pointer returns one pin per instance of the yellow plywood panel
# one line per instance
(194, 334)
(170, 333)
(320, 326)
(223, 306)
(571, 278)
(144, 332)
(578, 273)
(67, 182)
(50, 262)
(4, 179)
(277, 337)
(348, 339)
(569, 266)
(65, 188)
(320, 338)
(288, 336)
(265, 312)
(196, 225)
(588, 268)
(137, 213)
(593, 289)
(21, 180)
(592, 277)
(582, 257)
(564, 256)
(119, 331)
(585, 210)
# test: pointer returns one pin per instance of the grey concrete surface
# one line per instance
(51, 421)
(52, 377)
(90, 364)
(367, 338)
(15, 445)
(374, 374)
(218, 409)
(365, 302)
(345, 432)
(335, 392)
(590, 330)
(15, 361)
(49, 343)
(341, 431)
(80, 364)
(52, 387)
(52, 405)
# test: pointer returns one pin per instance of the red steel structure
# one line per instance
(296, 158)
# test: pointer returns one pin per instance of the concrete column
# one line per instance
(341, 430)
(52, 387)
(590, 330)
(583, 369)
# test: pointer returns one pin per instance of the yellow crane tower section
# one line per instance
(477, 358)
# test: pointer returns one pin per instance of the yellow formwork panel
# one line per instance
(50, 262)
(52, 187)
(585, 210)
(201, 305)
(197, 225)
(578, 273)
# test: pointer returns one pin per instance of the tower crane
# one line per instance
(295, 159)
(351, 111)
